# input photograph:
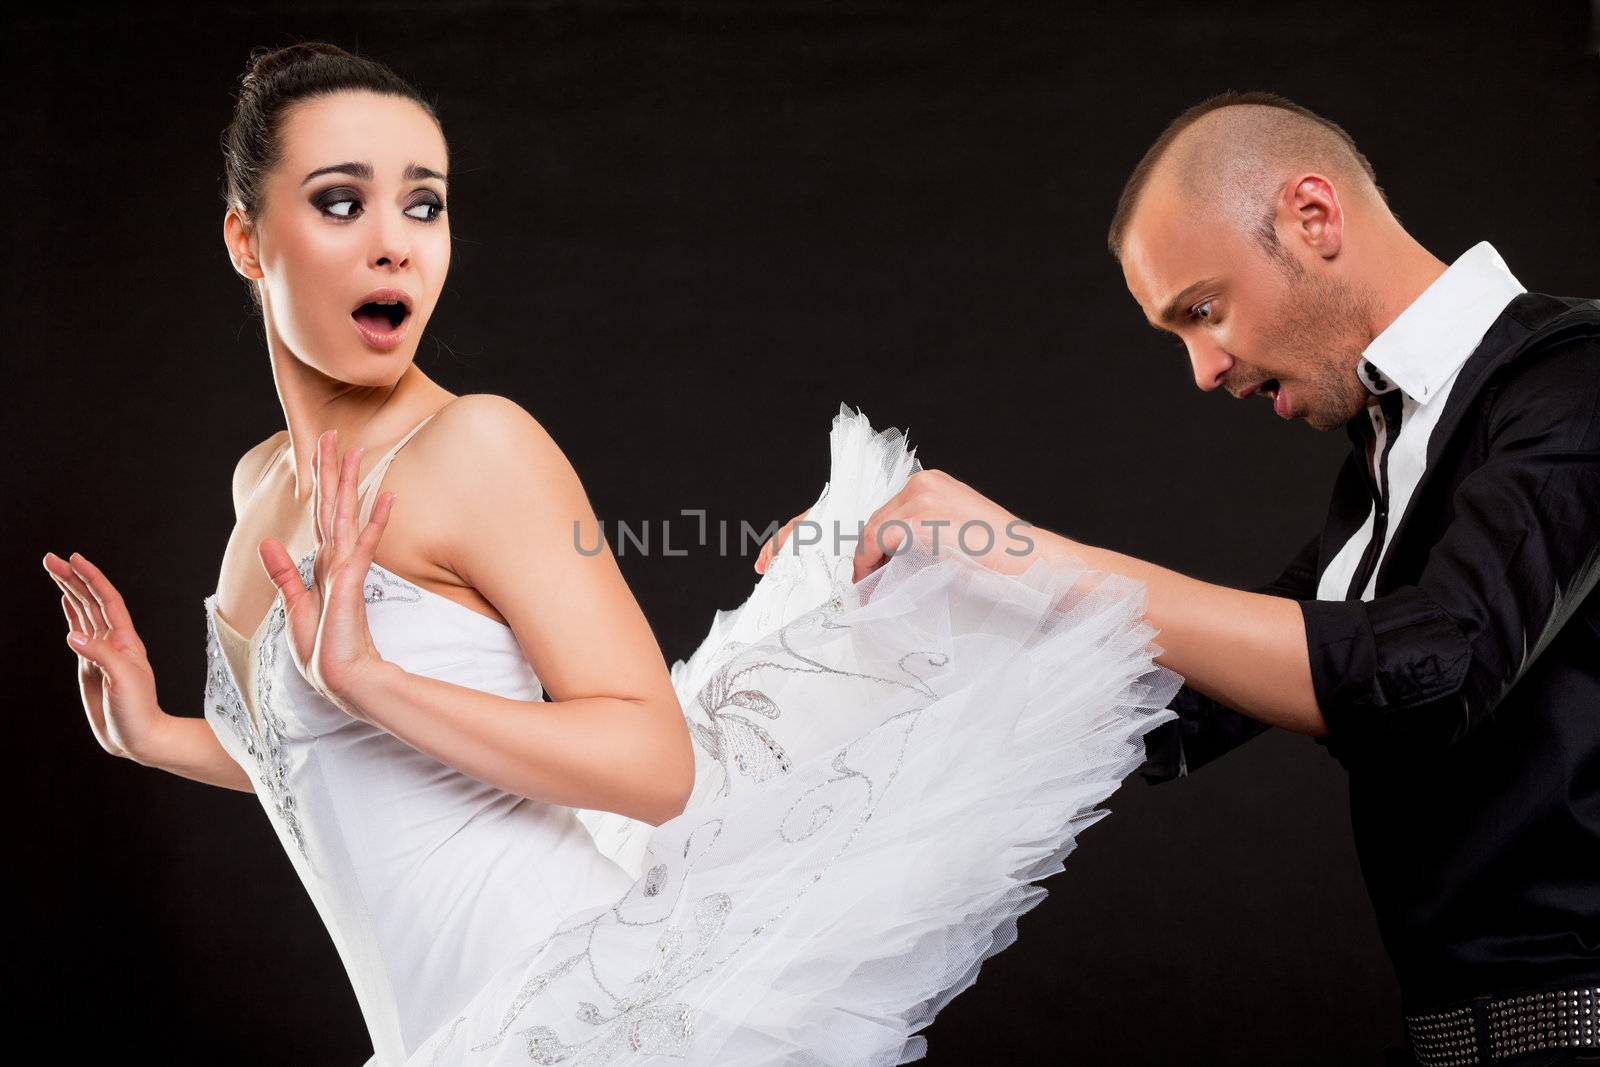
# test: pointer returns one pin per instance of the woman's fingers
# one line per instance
(70, 610)
(103, 653)
(112, 607)
(72, 583)
(366, 546)
(335, 496)
(77, 626)
(283, 571)
(67, 595)
(325, 483)
(344, 515)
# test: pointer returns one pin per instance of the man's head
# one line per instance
(1256, 231)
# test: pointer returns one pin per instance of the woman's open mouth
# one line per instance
(381, 318)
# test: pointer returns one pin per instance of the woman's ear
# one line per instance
(239, 237)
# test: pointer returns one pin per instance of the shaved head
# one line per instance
(1229, 157)
(1254, 231)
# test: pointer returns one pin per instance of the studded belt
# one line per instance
(1490, 1029)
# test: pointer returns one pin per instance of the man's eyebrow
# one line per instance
(1170, 313)
(413, 172)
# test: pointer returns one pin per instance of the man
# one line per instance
(1438, 635)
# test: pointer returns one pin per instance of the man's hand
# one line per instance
(1246, 650)
(938, 512)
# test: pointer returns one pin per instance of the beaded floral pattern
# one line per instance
(642, 1013)
(263, 741)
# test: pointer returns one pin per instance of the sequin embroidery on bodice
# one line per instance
(380, 832)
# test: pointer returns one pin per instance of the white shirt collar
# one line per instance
(1422, 348)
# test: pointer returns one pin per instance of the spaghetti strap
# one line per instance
(375, 475)
(272, 461)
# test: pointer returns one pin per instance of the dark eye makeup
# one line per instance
(330, 201)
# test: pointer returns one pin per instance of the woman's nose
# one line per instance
(390, 246)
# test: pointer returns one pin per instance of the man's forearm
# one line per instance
(1246, 650)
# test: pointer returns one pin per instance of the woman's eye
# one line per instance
(331, 205)
(346, 208)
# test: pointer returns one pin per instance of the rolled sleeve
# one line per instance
(1427, 662)
(1397, 651)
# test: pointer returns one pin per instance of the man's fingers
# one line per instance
(883, 532)
(788, 528)
(775, 542)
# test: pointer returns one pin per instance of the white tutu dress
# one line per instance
(884, 770)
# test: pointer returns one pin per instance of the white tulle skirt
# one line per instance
(884, 770)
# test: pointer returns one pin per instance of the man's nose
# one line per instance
(1210, 363)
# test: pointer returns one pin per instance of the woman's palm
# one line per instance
(327, 622)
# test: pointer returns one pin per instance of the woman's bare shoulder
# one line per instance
(492, 432)
(495, 485)
(252, 466)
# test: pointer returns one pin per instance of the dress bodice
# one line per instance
(382, 834)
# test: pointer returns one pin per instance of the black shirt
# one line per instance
(1464, 697)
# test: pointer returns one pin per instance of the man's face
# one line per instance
(1279, 326)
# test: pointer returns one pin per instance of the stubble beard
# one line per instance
(1323, 328)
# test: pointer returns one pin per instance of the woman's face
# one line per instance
(355, 205)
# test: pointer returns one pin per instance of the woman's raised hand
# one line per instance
(114, 675)
(327, 623)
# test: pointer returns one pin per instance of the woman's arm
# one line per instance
(608, 752)
(507, 513)
(118, 686)
(188, 747)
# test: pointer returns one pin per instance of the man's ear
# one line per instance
(1309, 213)
(239, 237)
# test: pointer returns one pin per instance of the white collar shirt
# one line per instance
(1417, 357)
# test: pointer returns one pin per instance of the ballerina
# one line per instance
(530, 840)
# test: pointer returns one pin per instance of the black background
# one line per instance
(683, 234)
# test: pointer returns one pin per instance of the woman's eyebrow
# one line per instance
(413, 172)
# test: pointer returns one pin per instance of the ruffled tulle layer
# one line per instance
(885, 770)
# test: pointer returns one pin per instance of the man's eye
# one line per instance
(1201, 311)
